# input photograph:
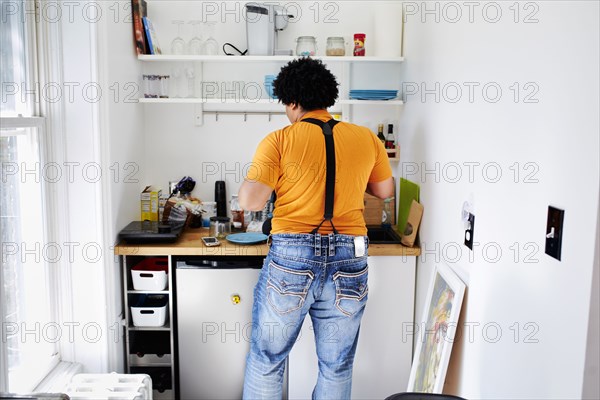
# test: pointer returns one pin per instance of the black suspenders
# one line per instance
(327, 128)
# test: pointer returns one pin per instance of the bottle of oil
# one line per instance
(380, 133)
(237, 214)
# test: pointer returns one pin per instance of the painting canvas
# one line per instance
(436, 333)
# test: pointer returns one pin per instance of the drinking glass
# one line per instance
(190, 77)
(178, 44)
(195, 43)
(210, 47)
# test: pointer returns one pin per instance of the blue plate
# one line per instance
(383, 97)
(247, 238)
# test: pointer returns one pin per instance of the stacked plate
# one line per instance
(269, 85)
(373, 94)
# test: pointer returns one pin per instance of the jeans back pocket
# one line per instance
(287, 288)
(351, 290)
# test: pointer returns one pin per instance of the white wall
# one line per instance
(220, 150)
(558, 135)
(84, 191)
(591, 383)
(122, 138)
(103, 141)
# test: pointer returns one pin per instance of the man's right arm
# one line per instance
(383, 189)
(381, 182)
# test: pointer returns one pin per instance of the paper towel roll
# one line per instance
(388, 30)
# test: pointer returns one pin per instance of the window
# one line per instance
(29, 337)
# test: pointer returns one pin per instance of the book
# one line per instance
(138, 11)
(153, 44)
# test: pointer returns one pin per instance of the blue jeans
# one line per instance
(315, 274)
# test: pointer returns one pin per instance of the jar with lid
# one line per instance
(220, 227)
(336, 46)
(306, 46)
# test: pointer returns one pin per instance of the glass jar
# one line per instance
(386, 217)
(306, 46)
(220, 227)
(336, 46)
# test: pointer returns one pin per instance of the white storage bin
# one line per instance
(150, 274)
(150, 311)
(149, 280)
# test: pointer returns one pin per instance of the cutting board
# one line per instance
(409, 191)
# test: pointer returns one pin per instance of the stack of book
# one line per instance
(144, 35)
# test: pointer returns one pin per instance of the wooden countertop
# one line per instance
(189, 244)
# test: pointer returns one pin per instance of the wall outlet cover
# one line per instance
(554, 228)
(469, 231)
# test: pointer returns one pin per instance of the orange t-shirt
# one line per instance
(292, 161)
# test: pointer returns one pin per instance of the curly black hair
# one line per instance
(307, 83)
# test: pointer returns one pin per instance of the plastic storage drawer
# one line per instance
(150, 274)
(149, 311)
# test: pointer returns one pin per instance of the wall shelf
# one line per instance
(244, 59)
(266, 105)
(192, 100)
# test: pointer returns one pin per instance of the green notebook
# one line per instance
(409, 191)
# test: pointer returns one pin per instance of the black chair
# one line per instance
(423, 396)
(34, 396)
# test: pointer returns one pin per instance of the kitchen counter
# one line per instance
(189, 244)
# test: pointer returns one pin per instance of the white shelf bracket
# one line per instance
(198, 108)
(346, 82)
(199, 114)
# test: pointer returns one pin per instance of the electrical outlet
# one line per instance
(469, 231)
(554, 228)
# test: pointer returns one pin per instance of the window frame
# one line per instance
(41, 67)
(38, 123)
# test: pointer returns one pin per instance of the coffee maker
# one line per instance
(263, 22)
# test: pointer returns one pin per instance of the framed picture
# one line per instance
(436, 333)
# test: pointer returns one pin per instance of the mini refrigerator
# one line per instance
(214, 316)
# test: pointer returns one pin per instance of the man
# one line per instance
(316, 265)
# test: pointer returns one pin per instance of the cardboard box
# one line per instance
(149, 200)
(409, 233)
(374, 210)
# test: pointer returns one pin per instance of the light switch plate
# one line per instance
(554, 229)
(469, 231)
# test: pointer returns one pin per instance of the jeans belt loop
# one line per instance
(331, 245)
(317, 244)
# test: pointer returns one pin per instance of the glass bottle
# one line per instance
(237, 214)
(380, 134)
(390, 141)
